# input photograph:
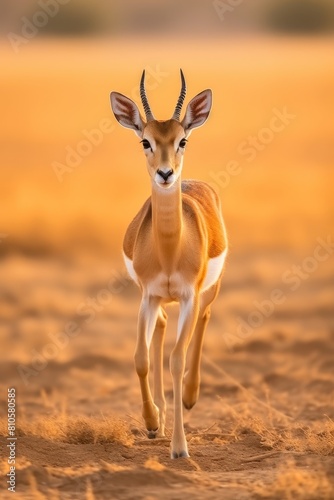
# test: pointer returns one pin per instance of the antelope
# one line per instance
(174, 249)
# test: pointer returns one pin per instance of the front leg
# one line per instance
(192, 377)
(158, 345)
(187, 320)
(147, 319)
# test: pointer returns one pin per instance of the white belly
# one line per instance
(175, 285)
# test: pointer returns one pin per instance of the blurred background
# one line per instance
(200, 17)
(60, 60)
(71, 180)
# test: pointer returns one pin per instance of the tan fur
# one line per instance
(174, 249)
(202, 232)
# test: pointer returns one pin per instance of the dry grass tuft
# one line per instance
(316, 438)
(243, 422)
(292, 483)
(154, 464)
(321, 440)
(79, 430)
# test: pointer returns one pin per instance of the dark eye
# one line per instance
(183, 143)
(146, 144)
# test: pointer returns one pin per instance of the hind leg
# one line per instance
(192, 377)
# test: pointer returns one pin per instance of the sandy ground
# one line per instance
(263, 426)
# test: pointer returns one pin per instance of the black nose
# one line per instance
(165, 175)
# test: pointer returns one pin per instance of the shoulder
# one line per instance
(199, 190)
(201, 193)
(202, 206)
(143, 217)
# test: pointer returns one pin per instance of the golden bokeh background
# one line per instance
(56, 88)
(71, 179)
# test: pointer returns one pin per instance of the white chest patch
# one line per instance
(215, 267)
(130, 269)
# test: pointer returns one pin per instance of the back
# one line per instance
(208, 203)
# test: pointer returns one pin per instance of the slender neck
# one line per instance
(167, 222)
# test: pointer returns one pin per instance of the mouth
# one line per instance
(164, 183)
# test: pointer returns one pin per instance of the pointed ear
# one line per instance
(197, 111)
(126, 112)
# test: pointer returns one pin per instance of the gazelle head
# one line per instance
(164, 142)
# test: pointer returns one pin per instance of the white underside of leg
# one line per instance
(185, 311)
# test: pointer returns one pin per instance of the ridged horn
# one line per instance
(144, 100)
(178, 109)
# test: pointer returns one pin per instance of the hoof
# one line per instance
(190, 396)
(188, 406)
(152, 434)
(181, 454)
